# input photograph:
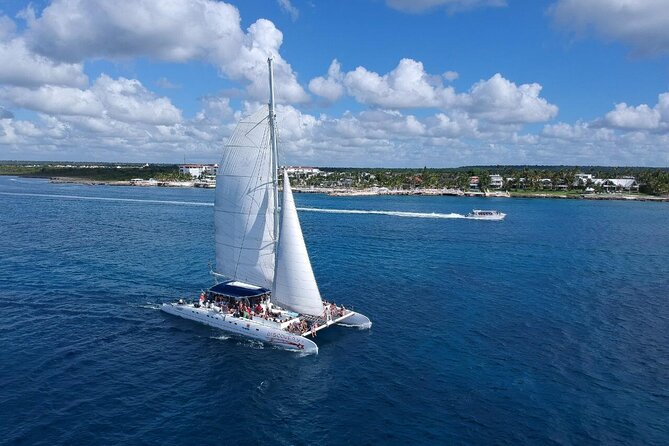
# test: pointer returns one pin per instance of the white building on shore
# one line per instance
(496, 181)
(198, 170)
(301, 171)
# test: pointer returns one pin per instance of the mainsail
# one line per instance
(245, 204)
(295, 286)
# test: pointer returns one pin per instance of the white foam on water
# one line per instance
(149, 306)
(389, 213)
(127, 200)
(433, 215)
(220, 337)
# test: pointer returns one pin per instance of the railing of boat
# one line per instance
(324, 323)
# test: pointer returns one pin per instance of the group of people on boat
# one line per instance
(242, 308)
(298, 327)
(259, 308)
(332, 311)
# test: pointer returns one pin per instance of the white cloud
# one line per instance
(580, 132)
(329, 87)
(19, 66)
(456, 125)
(418, 6)
(641, 117)
(369, 138)
(500, 100)
(641, 24)
(216, 108)
(172, 30)
(406, 86)
(496, 100)
(120, 99)
(53, 99)
(451, 75)
(289, 8)
(127, 100)
(7, 27)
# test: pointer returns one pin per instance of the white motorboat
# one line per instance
(206, 182)
(266, 288)
(478, 214)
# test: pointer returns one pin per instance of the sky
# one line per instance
(359, 83)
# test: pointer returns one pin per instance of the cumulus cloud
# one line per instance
(496, 100)
(20, 66)
(176, 31)
(329, 87)
(579, 132)
(120, 99)
(418, 6)
(641, 117)
(641, 24)
(500, 100)
(626, 117)
(455, 125)
(406, 86)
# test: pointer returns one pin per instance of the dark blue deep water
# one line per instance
(551, 327)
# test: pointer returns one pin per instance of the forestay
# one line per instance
(244, 204)
(295, 286)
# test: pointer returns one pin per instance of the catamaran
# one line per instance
(265, 286)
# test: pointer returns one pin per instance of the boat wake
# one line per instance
(220, 337)
(127, 200)
(359, 327)
(149, 306)
(433, 215)
(389, 213)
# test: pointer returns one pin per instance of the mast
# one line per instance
(275, 166)
(275, 152)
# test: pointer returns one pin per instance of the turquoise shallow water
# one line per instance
(551, 327)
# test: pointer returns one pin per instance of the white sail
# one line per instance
(295, 286)
(245, 204)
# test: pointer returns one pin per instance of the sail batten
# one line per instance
(295, 286)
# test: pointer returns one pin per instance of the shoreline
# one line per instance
(343, 192)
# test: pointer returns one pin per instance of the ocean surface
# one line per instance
(551, 327)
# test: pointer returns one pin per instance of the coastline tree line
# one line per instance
(652, 180)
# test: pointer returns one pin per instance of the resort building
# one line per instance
(496, 181)
(295, 171)
(474, 182)
(626, 184)
(581, 179)
(198, 170)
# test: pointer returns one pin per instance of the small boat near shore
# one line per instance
(479, 214)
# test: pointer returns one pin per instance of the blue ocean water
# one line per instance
(551, 327)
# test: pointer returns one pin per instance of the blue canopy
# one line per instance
(230, 290)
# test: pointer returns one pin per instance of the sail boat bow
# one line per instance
(269, 291)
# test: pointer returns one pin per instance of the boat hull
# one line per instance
(242, 327)
(357, 320)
